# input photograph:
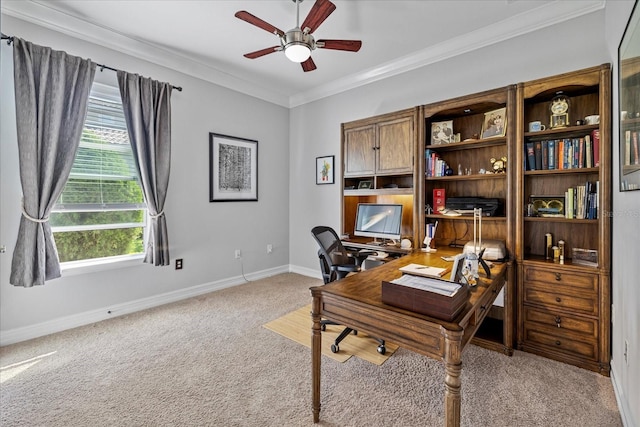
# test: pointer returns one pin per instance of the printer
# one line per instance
(466, 205)
(494, 250)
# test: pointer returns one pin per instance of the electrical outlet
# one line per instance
(179, 264)
(626, 352)
(269, 248)
(238, 254)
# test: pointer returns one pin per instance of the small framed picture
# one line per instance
(324, 170)
(442, 133)
(365, 185)
(495, 123)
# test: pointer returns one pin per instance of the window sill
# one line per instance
(74, 268)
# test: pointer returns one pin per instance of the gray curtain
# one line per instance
(147, 111)
(52, 92)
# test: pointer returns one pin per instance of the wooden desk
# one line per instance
(355, 301)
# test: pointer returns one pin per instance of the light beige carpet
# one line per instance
(297, 327)
(208, 361)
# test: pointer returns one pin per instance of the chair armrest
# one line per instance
(346, 268)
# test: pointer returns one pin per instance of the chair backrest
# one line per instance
(331, 251)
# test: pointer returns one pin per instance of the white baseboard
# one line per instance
(16, 335)
(623, 402)
(310, 272)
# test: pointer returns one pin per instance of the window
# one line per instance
(101, 211)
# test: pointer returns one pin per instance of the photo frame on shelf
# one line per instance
(233, 169)
(366, 184)
(325, 172)
(442, 132)
(494, 124)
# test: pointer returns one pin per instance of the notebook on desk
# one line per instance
(424, 270)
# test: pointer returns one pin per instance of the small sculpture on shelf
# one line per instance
(499, 165)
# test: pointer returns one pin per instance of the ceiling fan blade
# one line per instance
(308, 65)
(319, 12)
(262, 52)
(350, 45)
(254, 20)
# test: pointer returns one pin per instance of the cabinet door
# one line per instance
(395, 146)
(360, 151)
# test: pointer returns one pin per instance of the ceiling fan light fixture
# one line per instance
(297, 52)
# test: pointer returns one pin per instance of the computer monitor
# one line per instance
(380, 221)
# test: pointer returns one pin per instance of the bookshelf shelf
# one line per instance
(563, 171)
(472, 177)
(560, 220)
(440, 217)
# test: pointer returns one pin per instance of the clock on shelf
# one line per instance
(559, 111)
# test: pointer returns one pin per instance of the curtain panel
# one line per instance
(147, 111)
(51, 95)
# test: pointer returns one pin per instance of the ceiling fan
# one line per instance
(298, 42)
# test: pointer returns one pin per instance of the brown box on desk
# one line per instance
(424, 302)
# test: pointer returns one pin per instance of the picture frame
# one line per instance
(494, 124)
(233, 169)
(365, 184)
(325, 172)
(442, 133)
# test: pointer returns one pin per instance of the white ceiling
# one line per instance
(204, 39)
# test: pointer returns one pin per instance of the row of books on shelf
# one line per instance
(434, 165)
(631, 148)
(582, 201)
(565, 153)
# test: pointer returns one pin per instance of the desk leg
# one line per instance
(452, 380)
(316, 345)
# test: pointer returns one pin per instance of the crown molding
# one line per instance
(539, 18)
(544, 16)
(47, 17)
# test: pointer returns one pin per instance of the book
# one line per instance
(424, 270)
(439, 199)
(531, 158)
(588, 152)
(627, 148)
(595, 136)
(552, 154)
(545, 155)
(537, 149)
(636, 160)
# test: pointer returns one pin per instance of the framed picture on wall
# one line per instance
(233, 169)
(325, 173)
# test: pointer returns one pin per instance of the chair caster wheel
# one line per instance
(355, 332)
(334, 348)
(323, 327)
(382, 349)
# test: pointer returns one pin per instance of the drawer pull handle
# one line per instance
(558, 276)
(558, 321)
(558, 343)
(483, 307)
(558, 299)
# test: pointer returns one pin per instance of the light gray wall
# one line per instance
(625, 266)
(203, 234)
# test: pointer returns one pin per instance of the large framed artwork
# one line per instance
(233, 169)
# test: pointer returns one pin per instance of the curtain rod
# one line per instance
(9, 40)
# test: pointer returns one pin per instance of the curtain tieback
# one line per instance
(156, 216)
(30, 218)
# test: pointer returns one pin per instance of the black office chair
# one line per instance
(336, 262)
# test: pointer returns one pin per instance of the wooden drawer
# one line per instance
(562, 322)
(567, 279)
(555, 339)
(552, 298)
